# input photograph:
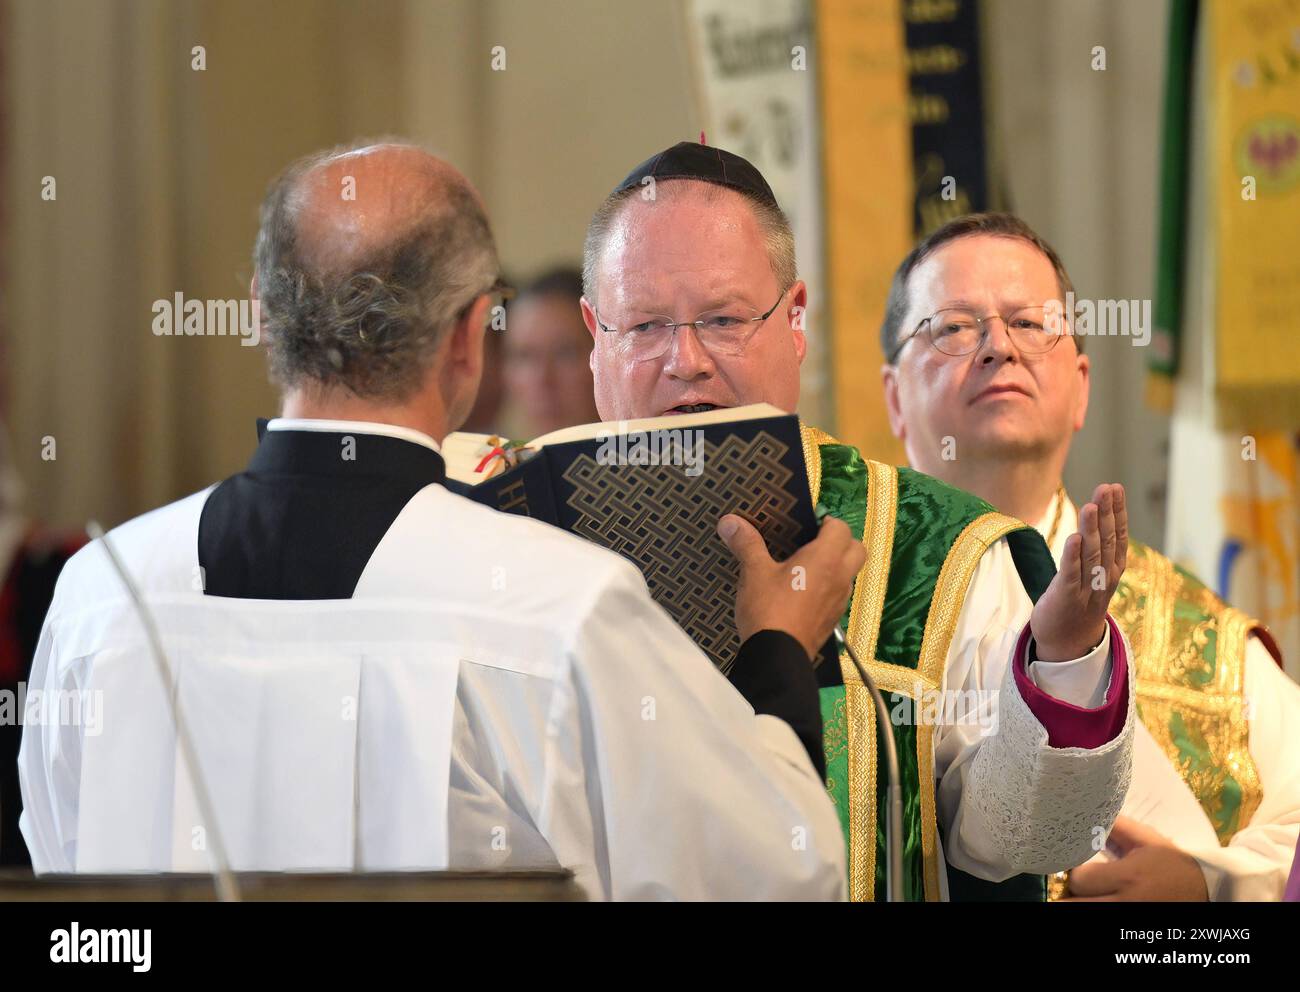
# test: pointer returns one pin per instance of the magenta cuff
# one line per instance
(1076, 726)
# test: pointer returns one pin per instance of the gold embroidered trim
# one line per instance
(940, 625)
(860, 711)
(897, 678)
(864, 629)
(1168, 653)
(813, 439)
(878, 540)
(1234, 628)
(861, 714)
(950, 590)
(1062, 497)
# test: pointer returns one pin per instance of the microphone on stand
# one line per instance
(224, 882)
(893, 794)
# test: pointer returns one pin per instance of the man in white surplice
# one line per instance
(1234, 838)
(379, 674)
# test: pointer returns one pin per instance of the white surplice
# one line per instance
(1255, 863)
(1011, 802)
(496, 694)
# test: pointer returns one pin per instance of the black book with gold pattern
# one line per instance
(653, 491)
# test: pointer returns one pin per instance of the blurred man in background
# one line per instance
(547, 373)
(979, 402)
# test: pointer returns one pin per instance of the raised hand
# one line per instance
(1070, 617)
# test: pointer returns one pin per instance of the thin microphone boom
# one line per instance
(227, 888)
(893, 794)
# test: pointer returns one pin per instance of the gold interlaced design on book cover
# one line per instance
(665, 521)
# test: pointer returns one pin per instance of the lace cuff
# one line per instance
(1049, 808)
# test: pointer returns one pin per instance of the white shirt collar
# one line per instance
(352, 427)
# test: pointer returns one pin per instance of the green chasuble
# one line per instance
(923, 540)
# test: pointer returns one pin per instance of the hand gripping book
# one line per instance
(653, 491)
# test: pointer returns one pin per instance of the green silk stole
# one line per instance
(923, 540)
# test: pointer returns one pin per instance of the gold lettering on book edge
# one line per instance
(513, 498)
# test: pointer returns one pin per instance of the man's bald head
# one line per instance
(351, 204)
(364, 257)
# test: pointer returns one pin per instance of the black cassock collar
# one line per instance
(345, 454)
(302, 520)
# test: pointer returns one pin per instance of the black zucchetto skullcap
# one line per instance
(703, 163)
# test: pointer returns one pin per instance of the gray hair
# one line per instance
(778, 237)
(373, 326)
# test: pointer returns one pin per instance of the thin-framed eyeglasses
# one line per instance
(499, 288)
(722, 331)
(958, 331)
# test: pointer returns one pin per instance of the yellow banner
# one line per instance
(867, 189)
(1255, 59)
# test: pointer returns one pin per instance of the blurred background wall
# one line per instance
(160, 168)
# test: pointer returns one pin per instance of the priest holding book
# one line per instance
(1012, 704)
(358, 670)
